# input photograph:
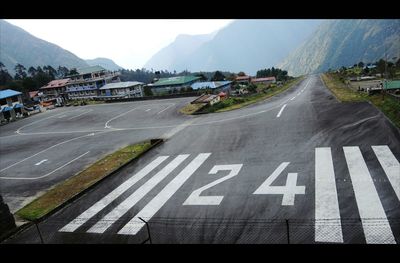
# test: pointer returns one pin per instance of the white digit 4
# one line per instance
(195, 198)
(289, 191)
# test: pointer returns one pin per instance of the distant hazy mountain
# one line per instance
(176, 53)
(18, 46)
(243, 45)
(339, 43)
(105, 63)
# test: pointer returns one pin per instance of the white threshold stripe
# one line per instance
(135, 224)
(328, 227)
(70, 140)
(293, 98)
(367, 198)
(43, 176)
(390, 165)
(104, 223)
(280, 112)
(102, 203)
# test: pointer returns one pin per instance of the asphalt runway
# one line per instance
(300, 167)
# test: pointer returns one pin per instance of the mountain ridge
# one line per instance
(337, 43)
(19, 46)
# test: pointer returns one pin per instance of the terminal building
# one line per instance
(172, 84)
(87, 83)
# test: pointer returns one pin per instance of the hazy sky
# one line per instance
(129, 42)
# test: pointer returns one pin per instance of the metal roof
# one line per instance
(56, 83)
(121, 85)
(91, 69)
(210, 84)
(8, 93)
(180, 80)
(392, 84)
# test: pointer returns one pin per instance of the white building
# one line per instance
(126, 89)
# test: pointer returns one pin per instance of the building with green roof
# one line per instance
(167, 85)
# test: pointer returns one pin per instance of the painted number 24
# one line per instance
(288, 191)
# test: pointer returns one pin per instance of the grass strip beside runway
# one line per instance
(387, 104)
(64, 191)
(237, 103)
(234, 103)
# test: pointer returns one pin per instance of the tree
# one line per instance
(62, 72)
(218, 76)
(252, 88)
(241, 74)
(20, 72)
(381, 66)
(202, 76)
(32, 71)
(5, 77)
(73, 71)
(361, 64)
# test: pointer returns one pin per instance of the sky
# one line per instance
(128, 42)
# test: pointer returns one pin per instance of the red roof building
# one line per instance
(55, 88)
(242, 79)
(267, 80)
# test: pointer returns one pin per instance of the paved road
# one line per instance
(299, 168)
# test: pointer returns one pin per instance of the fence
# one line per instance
(217, 231)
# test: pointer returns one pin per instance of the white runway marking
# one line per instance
(29, 124)
(135, 224)
(91, 134)
(105, 201)
(195, 197)
(280, 112)
(42, 161)
(328, 227)
(390, 165)
(62, 116)
(116, 117)
(293, 98)
(367, 199)
(166, 108)
(148, 109)
(104, 223)
(289, 191)
(43, 176)
(80, 114)
(166, 126)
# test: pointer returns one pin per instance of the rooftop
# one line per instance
(264, 79)
(56, 83)
(8, 93)
(392, 84)
(210, 84)
(91, 69)
(33, 93)
(175, 80)
(242, 77)
(118, 85)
